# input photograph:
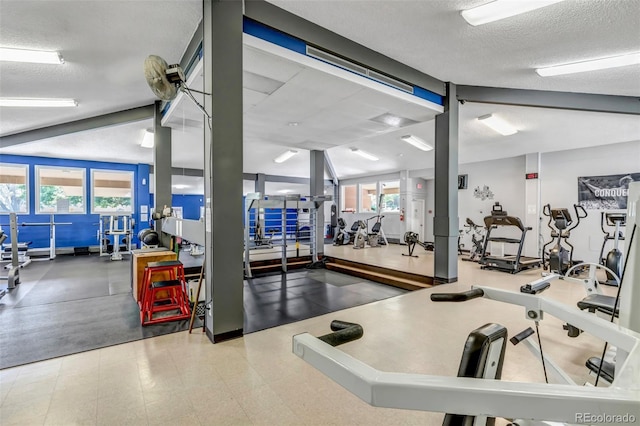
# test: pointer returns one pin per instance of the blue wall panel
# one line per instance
(84, 228)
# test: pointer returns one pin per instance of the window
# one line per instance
(13, 188)
(111, 191)
(368, 197)
(390, 196)
(60, 190)
(349, 198)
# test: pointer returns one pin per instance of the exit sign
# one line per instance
(531, 176)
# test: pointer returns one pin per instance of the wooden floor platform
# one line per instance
(384, 264)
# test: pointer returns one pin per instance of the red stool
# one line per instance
(166, 295)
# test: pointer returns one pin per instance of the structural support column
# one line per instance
(445, 222)
(316, 188)
(259, 184)
(532, 246)
(161, 169)
(222, 45)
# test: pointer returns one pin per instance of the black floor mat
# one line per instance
(76, 304)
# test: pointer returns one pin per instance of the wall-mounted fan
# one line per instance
(166, 80)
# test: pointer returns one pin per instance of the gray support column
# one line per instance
(445, 222)
(260, 180)
(532, 246)
(316, 188)
(161, 169)
(222, 45)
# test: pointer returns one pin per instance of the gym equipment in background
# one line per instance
(507, 263)
(477, 239)
(13, 276)
(116, 226)
(361, 235)
(376, 237)
(23, 248)
(614, 259)
(342, 236)
(559, 259)
(149, 238)
(411, 239)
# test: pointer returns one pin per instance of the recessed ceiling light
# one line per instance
(285, 156)
(147, 139)
(417, 142)
(501, 9)
(47, 103)
(364, 154)
(293, 124)
(591, 65)
(33, 56)
(498, 125)
(393, 120)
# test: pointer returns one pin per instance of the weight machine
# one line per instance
(283, 207)
(117, 226)
(478, 401)
(22, 248)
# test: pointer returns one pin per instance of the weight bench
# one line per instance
(599, 303)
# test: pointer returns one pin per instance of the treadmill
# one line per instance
(508, 263)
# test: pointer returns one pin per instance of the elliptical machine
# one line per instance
(560, 259)
(614, 259)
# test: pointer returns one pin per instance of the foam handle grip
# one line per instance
(343, 332)
(457, 297)
(521, 336)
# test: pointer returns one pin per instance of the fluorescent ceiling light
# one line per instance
(592, 65)
(501, 9)
(48, 103)
(363, 154)
(498, 125)
(417, 142)
(285, 156)
(148, 139)
(34, 56)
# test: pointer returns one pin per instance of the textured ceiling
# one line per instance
(105, 42)
(432, 37)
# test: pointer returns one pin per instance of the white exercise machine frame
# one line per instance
(512, 400)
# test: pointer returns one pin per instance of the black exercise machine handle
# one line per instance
(343, 332)
(457, 297)
(521, 336)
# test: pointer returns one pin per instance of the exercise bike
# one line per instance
(559, 259)
(411, 239)
(477, 239)
(342, 237)
(614, 260)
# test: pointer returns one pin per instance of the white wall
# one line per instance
(559, 187)
(506, 180)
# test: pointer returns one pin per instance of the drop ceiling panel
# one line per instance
(269, 65)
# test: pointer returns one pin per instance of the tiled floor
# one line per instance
(184, 379)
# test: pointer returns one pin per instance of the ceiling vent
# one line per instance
(358, 69)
